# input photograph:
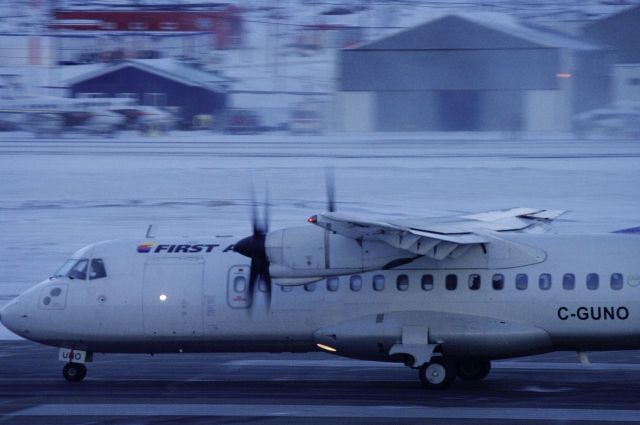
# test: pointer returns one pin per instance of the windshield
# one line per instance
(73, 269)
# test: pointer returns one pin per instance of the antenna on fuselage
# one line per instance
(151, 231)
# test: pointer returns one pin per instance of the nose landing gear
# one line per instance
(74, 372)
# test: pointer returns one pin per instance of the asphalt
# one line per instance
(310, 388)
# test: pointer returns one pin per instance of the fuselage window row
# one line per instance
(427, 282)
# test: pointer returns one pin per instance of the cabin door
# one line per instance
(172, 296)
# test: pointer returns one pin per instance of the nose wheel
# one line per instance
(74, 372)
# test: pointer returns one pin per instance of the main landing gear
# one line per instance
(440, 372)
(74, 372)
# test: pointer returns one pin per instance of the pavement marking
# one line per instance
(507, 365)
(330, 411)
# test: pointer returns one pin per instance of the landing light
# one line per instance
(313, 219)
(326, 348)
(163, 297)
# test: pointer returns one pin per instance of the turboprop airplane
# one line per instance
(444, 296)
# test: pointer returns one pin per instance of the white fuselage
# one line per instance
(196, 299)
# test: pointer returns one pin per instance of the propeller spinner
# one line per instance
(254, 247)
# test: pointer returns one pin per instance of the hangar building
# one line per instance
(480, 72)
(620, 33)
(165, 83)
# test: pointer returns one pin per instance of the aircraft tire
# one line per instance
(438, 374)
(473, 369)
(74, 372)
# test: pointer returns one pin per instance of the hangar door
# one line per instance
(172, 296)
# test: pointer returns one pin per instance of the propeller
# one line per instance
(330, 183)
(254, 247)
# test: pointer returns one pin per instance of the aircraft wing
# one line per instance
(437, 238)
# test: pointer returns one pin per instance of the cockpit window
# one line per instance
(66, 267)
(79, 270)
(97, 269)
(73, 269)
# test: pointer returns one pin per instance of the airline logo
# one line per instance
(145, 247)
(148, 247)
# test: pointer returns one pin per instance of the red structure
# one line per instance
(222, 20)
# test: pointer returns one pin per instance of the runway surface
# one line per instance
(310, 388)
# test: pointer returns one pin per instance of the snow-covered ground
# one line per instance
(58, 195)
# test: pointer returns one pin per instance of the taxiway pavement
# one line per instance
(310, 388)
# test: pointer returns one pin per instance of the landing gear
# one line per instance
(74, 372)
(473, 369)
(437, 374)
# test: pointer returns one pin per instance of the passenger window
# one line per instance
(545, 281)
(616, 281)
(569, 281)
(332, 284)
(593, 281)
(402, 282)
(310, 287)
(497, 282)
(451, 282)
(97, 269)
(427, 282)
(262, 286)
(355, 283)
(474, 282)
(239, 284)
(522, 281)
(79, 270)
(378, 282)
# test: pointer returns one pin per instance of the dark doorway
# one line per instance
(458, 110)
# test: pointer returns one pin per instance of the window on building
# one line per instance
(402, 282)
(90, 95)
(168, 26)
(544, 281)
(497, 282)
(617, 281)
(310, 287)
(451, 282)
(137, 26)
(332, 284)
(593, 281)
(355, 283)
(474, 282)
(155, 99)
(427, 282)
(378, 282)
(569, 281)
(522, 281)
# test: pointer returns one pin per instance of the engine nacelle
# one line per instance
(303, 252)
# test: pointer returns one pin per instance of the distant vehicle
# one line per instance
(242, 121)
(622, 121)
(51, 116)
(305, 121)
(147, 119)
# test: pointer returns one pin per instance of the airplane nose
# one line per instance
(9, 316)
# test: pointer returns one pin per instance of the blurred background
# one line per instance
(515, 68)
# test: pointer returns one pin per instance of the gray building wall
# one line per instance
(455, 74)
(620, 33)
